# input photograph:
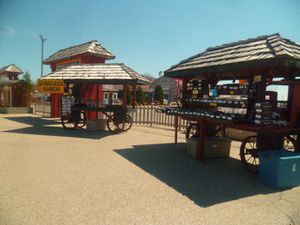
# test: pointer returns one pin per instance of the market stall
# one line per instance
(75, 105)
(227, 87)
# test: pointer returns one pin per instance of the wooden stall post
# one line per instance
(124, 95)
(133, 95)
(10, 96)
(176, 128)
(201, 143)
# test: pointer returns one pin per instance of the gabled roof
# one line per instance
(245, 53)
(116, 73)
(91, 47)
(12, 68)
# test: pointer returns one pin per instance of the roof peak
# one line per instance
(90, 47)
(79, 45)
(218, 47)
(261, 37)
(11, 68)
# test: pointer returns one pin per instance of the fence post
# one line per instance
(151, 115)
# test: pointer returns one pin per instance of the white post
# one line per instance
(10, 96)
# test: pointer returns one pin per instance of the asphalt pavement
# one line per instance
(52, 176)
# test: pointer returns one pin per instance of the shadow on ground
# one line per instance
(50, 127)
(209, 183)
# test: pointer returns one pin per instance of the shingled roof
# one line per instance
(268, 50)
(91, 47)
(116, 73)
(12, 68)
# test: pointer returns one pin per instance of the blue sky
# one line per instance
(148, 36)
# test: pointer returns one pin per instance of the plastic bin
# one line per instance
(215, 147)
(279, 169)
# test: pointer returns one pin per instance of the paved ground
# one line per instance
(52, 176)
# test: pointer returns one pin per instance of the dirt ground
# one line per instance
(53, 176)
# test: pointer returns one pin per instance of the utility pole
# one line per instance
(42, 53)
(42, 59)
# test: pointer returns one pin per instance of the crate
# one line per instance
(215, 147)
(279, 169)
(96, 125)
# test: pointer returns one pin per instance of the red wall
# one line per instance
(89, 90)
(55, 105)
(92, 92)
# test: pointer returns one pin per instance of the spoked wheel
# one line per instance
(128, 123)
(115, 125)
(68, 122)
(82, 120)
(249, 154)
(289, 143)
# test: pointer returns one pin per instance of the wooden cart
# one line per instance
(265, 137)
(118, 119)
(254, 63)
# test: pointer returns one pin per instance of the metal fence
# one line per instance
(141, 115)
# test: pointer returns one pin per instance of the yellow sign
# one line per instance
(257, 78)
(51, 86)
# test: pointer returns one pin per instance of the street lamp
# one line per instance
(42, 53)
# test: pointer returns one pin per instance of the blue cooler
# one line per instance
(279, 169)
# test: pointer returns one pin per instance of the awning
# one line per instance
(98, 73)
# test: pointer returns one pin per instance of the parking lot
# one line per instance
(54, 176)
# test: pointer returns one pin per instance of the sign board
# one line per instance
(51, 86)
(66, 104)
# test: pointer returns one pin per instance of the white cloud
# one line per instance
(9, 31)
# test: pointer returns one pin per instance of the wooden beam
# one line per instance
(10, 96)
(176, 128)
(125, 95)
(133, 95)
(201, 143)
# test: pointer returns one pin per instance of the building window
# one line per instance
(115, 96)
(106, 96)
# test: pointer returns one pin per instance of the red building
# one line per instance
(87, 53)
(14, 98)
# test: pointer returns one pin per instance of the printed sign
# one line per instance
(66, 105)
(51, 86)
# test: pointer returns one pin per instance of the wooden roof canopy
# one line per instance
(12, 68)
(269, 55)
(114, 73)
(93, 48)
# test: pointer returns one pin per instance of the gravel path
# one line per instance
(51, 176)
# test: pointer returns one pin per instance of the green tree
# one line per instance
(158, 94)
(140, 96)
(28, 82)
(27, 88)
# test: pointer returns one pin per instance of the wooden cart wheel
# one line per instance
(68, 122)
(289, 143)
(128, 123)
(249, 154)
(115, 125)
(82, 120)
